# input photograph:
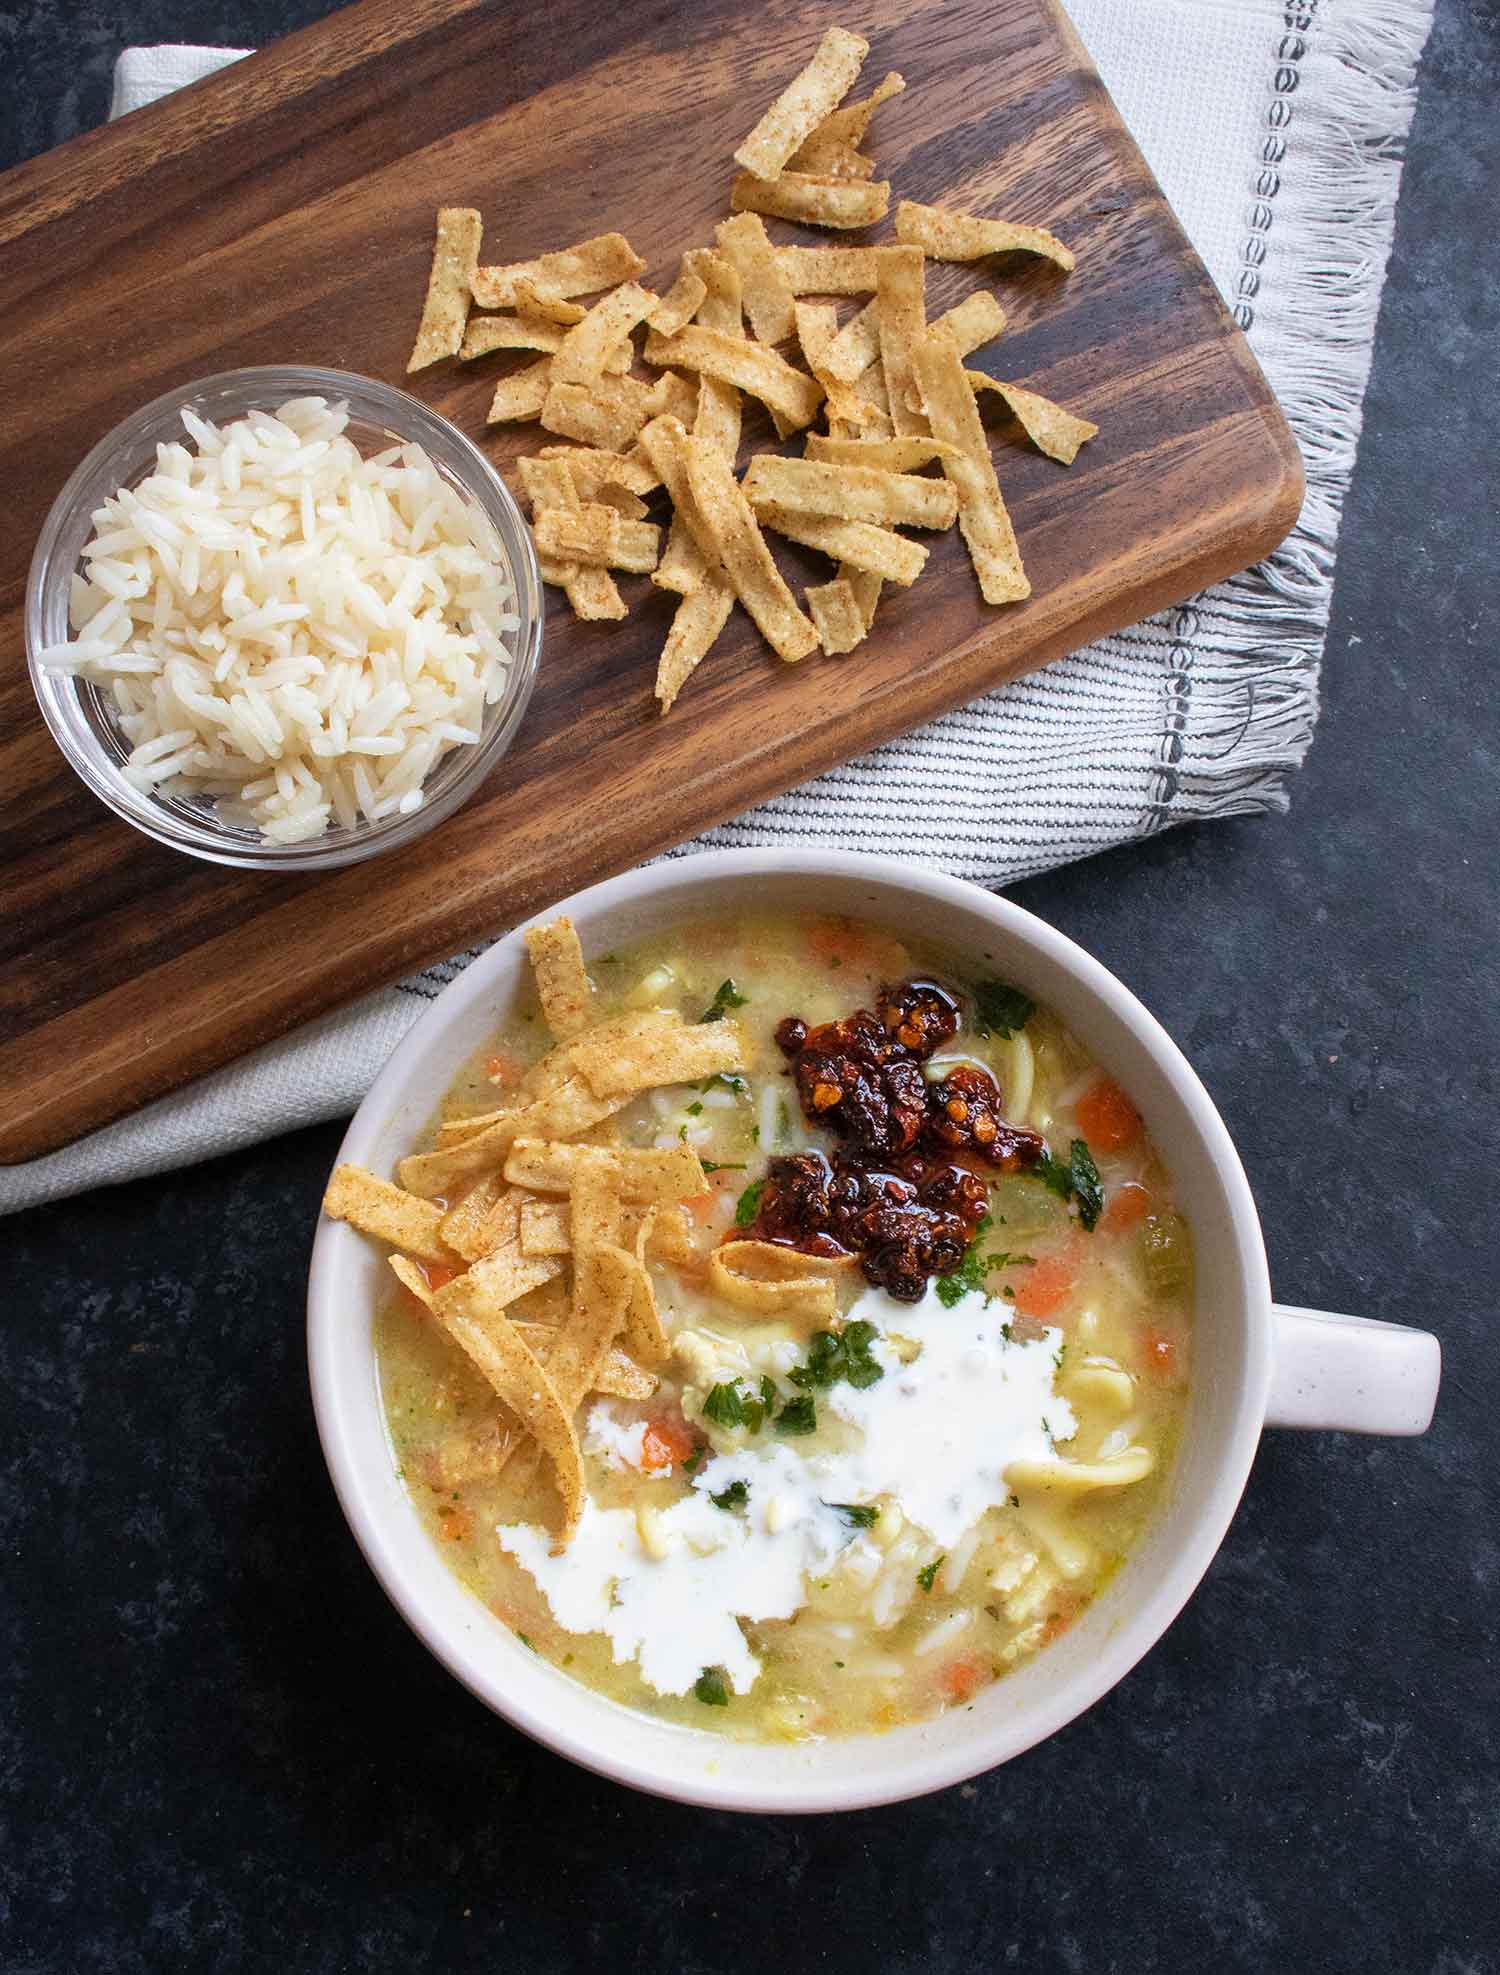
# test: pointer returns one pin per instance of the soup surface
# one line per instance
(800, 1524)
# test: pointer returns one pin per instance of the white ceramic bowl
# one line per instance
(1253, 1364)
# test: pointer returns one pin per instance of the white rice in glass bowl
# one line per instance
(295, 631)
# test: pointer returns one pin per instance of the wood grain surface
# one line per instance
(282, 212)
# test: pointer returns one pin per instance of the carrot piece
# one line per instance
(1159, 1355)
(1060, 1618)
(961, 1678)
(503, 1069)
(1046, 1286)
(1107, 1118)
(1128, 1206)
(664, 1444)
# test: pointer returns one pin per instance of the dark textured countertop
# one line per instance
(220, 1749)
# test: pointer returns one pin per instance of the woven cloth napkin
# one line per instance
(1276, 131)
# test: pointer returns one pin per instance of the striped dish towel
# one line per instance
(1276, 129)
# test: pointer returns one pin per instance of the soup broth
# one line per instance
(829, 1528)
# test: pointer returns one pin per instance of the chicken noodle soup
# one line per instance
(896, 1363)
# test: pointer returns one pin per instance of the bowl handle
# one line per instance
(1351, 1373)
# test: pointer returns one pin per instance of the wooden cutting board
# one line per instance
(282, 212)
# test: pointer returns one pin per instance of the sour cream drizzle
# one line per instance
(935, 1435)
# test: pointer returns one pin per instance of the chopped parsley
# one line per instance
(725, 1080)
(721, 1166)
(927, 1575)
(694, 1109)
(1001, 1009)
(526, 1642)
(1087, 1190)
(839, 1354)
(710, 1689)
(726, 997)
(970, 1273)
(726, 1405)
(1078, 1180)
(798, 1416)
(735, 1496)
(695, 1460)
(858, 1515)
(748, 1205)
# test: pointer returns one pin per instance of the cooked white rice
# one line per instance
(291, 630)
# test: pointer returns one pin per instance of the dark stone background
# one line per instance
(219, 1747)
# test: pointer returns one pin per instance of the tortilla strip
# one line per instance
(846, 126)
(582, 270)
(554, 1069)
(813, 200)
(477, 1324)
(696, 625)
(718, 411)
(1056, 432)
(664, 442)
(879, 550)
(856, 346)
(681, 566)
(745, 1274)
(894, 455)
(543, 1228)
(853, 493)
(903, 318)
(587, 345)
(509, 332)
(948, 236)
(533, 298)
(601, 1286)
(376, 1207)
(473, 1453)
(976, 320)
(750, 366)
(592, 470)
(590, 590)
(817, 329)
(836, 612)
(607, 413)
(838, 160)
(804, 104)
(982, 516)
(679, 305)
(445, 310)
(582, 538)
(766, 293)
(587, 533)
(672, 396)
(562, 983)
(648, 1342)
(522, 394)
(747, 560)
(472, 1227)
(831, 270)
(866, 587)
(664, 1056)
(561, 1113)
(648, 1177)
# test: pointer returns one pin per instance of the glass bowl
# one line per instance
(81, 714)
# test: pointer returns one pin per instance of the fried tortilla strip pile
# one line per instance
(856, 370)
(527, 1243)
